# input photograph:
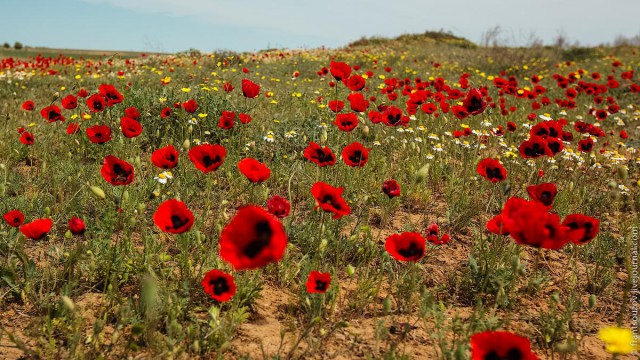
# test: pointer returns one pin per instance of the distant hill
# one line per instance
(428, 37)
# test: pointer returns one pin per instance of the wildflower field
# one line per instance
(408, 199)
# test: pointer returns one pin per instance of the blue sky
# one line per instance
(247, 25)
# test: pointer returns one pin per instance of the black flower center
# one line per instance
(262, 239)
(177, 221)
(512, 354)
(411, 252)
(494, 173)
(321, 285)
(208, 160)
(356, 157)
(219, 285)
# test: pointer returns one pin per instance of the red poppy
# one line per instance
(530, 223)
(99, 134)
(36, 229)
(70, 102)
(543, 193)
(391, 188)
(207, 157)
(408, 246)
(340, 70)
(116, 171)
(51, 113)
(28, 105)
(346, 122)
(250, 89)
(110, 93)
(496, 225)
(554, 145)
(165, 158)
(500, 345)
(511, 126)
(329, 199)
(357, 102)
(83, 93)
(219, 285)
(244, 118)
(76, 226)
(474, 103)
(318, 282)
(73, 128)
(355, 83)
(226, 120)
(227, 87)
(132, 113)
(130, 127)
(355, 155)
(253, 239)
(393, 116)
(27, 138)
(278, 206)
(492, 170)
(534, 148)
(173, 217)
(96, 103)
(460, 112)
(165, 113)
(190, 106)
(336, 106)
(585, 145)
(323, 156)
(14, 218)
(433, 235)
(254, 170)
(582, 228)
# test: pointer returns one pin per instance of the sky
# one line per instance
(250, 25)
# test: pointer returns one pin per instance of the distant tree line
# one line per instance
(17, 45)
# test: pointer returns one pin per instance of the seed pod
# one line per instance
(386, 305)
(98, 192)
(125, 196)
(323, 137)
(592, 301)
(623, 172)
(351, 270)
(186, 144)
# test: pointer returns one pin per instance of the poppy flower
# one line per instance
(96, 103)
(207, 157)
(254, 170)
(226, 120)
(585, 145)
(69, 102)
(73, 128)
(554, 145)
(340, 70)
(278, 206)
(110, 93)
(500, 345)
(355, 83)
(329, 199)
(14, 218)
(165, 158)
(76, 226)
(357, 102)
(582, 228)
(36, 229)
(355, 155)
(116, 171)
(543, 193)
(28, 105)
(530, 223)
(227, 87)
(460, 112)
(346, 122)
(244, 118)
(391, 188)
(474, 104)
(534, 148)
(496, 225)
(51, 113)
(165, 113)
(27, 138)
(250, 89)
(323, 156)
(190, 106)
(408, 246)
(511, 126)
(393, 116)
(130, 127)
(492, 170)
(318, 282)
(83, 93)
(132, 113)
(433, 235)
(253, 239)
(99, 134)
(219, 285)
(173, 217)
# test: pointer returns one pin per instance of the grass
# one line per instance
(126, 289)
